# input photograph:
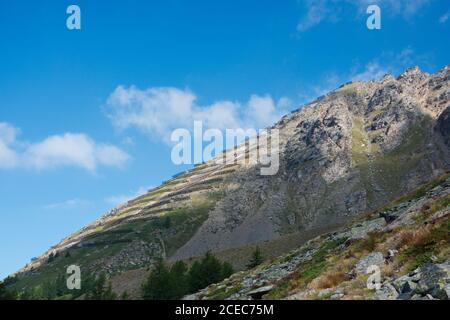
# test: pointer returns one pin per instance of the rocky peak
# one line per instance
(387, 78)
(412, 75)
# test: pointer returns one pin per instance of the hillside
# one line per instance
(349, 152)
(409, 240)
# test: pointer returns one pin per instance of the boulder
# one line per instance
(361, 230)
(386, 292)
(375, 258)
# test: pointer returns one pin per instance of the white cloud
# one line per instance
(69, 149)
(263, 110)
(72, 203)
(444, 18)
(373, 71)
(158, 111)
(109, 155)
(8, 157)
(8, 133)
(154, 108)
(318, 11)
(220, 115)
(123, 198)
(388, 62)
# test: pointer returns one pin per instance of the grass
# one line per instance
(186, 221)
(429, 209)
(348, 88)
(327, 280)
(307, 271)
(420, 245)
(223, 293)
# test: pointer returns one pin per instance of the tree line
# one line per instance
(172, 283)
(176, 281)
(164, 282)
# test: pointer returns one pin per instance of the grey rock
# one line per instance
(325, 293)
(375, 258)
(386, 292)
(337, 296)
(361, 230)
(433, 281)
(260, 291)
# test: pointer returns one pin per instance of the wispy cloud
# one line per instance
(69, 149)
(68, 204)
(8, 134)
(372, 71)
(158, 111)
(318, 11)
(123, 198)
(387, 63)
(444, 18)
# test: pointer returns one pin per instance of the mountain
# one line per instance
(408, 241)
(347, 153)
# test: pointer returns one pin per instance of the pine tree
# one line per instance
(256, 259)
(158, 284)
(6, 294)
(51, 257)
(125, 296)
(179, 280)
(194, 276)
(100, 290)
(174, 283)
(108, 293)
(227, 270)
(209, 270)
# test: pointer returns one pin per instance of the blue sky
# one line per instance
(86, 115)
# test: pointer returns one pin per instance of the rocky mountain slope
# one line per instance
(408, 240)
(349, 152)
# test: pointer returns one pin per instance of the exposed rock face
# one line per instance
(443, 125)
(346, 153)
